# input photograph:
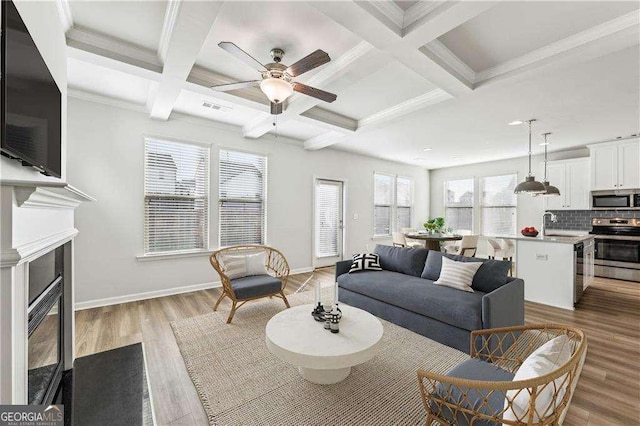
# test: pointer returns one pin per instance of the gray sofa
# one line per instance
(404, 293)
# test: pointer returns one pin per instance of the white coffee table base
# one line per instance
(324, 377)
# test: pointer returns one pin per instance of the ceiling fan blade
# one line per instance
(309, 62)
(235, 86)
(276, 108)
(242, 55)
(316, 93)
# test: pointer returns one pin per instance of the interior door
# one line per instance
(329, 221)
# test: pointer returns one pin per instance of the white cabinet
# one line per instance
(615, 165)
(571, 177)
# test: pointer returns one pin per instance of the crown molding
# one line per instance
(67, 197)
(100, 44)
(390, 10)
(330, 117)
(562, 46)
(441, 52)
(65, 14)
(170, 19)
(430, 98)
(419, 11)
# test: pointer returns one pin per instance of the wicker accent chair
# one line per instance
(466, 397)
(276, 264)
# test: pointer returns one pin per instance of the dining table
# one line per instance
(432, 241)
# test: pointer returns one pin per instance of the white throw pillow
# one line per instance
(458, 275)
(256, 264)
(544, 360)
(234, 266)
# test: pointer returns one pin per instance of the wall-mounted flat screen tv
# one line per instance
(31, 100)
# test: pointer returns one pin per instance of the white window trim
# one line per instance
(178, 253)
(393, 205)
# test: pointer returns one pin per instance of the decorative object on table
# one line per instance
(269, 265)
(529, 231)
(435, 225)
(550, 190)
(318, 309)
(334, 320)
(365, 262)
(530, 185)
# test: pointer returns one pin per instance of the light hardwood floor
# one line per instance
(608, 392)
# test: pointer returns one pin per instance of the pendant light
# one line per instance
(530, 184)
(550, 190)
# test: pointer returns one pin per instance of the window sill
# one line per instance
(380, 237)
(175, 255)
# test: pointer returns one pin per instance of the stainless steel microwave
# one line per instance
(615, 200)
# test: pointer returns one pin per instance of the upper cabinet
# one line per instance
(615, 165)
(571, 177)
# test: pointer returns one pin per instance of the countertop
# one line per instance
(555, 236)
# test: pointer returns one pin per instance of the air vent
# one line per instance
(215, 107)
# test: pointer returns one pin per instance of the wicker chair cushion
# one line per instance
(544, 360)
(255, 286)
(471, 369)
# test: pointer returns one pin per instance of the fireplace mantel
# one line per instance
(36, 218)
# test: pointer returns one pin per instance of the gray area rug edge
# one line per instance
(272, 391)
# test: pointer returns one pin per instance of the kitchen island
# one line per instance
(555, 268)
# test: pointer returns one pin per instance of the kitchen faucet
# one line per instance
(553, 218)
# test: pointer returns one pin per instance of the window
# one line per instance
(393, 203)
(404, 202)
(458, 205)
(383, 204)
(498, 205)
(242, 198)
(176, 196)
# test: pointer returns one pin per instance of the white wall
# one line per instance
(41, 19)
(529, 210)
(105, 159)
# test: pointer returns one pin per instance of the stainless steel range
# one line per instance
(617, 251)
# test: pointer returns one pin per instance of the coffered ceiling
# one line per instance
(409, 75)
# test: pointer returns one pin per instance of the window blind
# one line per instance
(458, 205)
(242, 198)
(404, 202)
(383, 202)
(498, 205)
(328, 218)
(176, 201)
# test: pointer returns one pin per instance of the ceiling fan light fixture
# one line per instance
(276, 89)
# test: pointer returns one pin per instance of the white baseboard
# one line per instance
(160, 293)
(143, 296)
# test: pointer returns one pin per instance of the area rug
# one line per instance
(240, 382)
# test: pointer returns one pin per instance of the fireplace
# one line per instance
(45, 327)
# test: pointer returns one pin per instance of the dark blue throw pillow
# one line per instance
(409, 261)
(492, 274)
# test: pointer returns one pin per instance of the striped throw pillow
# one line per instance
(458, 275)
(234, 266)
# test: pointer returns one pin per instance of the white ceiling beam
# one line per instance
(190, 26)
(443, 19)
(360, 18)
(628, 24)
(412, 105)
(300, 103)
(330, 118)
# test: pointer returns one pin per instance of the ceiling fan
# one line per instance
(276, 81)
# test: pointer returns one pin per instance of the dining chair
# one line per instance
(467, 246)
(503, 249)
(411, 242)
(398, 239)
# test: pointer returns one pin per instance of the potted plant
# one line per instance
(435, 225)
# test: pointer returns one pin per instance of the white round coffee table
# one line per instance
(321, 356)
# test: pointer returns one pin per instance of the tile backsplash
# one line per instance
(580, 220)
